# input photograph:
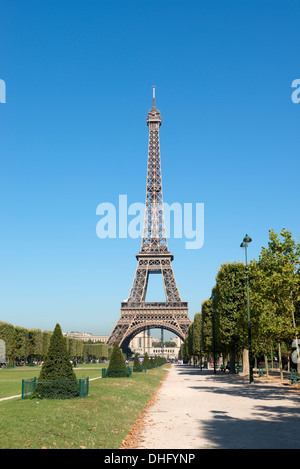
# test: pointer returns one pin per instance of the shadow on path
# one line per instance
(278, 432)
(267, 425)
(239, 386)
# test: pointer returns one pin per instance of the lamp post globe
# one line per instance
(247, 239)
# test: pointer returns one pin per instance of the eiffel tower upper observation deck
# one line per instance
(154, 257)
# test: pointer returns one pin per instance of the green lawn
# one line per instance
(11, 378)
(102, 420)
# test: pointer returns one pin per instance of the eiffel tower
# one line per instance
(154, 257)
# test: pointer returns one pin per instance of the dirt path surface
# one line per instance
(199, 409)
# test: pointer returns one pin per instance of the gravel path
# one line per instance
(200, 409)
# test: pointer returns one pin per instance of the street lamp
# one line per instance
(244, 244)
(213, 331)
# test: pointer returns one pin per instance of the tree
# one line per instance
(196, 335)
(184, 350)
(146, 362)
(35, 344)
(158, 360)
(190, 341)
(206, 327)
(275, 290)
(46, 342)
(137, 367)
(57, 378)
(229, 308)
(166, 344)
(98, 351)
(117, 366)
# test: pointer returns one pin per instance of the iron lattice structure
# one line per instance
(154, 257)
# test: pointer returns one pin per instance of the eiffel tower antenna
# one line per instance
(153, 96)
(154, 257)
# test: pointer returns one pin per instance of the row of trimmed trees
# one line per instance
(147, 362)
(117, 366)
(32, 345)
(274, 283)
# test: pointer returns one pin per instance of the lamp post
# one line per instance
(200, 364)
(244, 244)
(213, 331)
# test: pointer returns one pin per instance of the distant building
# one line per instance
(143, 343)
(87, 336)
(140, 344)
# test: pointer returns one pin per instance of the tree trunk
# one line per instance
(232, 362)
(280, 362)
(246, 370)
(266, 363)
(272, 361)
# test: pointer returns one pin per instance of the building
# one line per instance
(143, 342)
(87, 336)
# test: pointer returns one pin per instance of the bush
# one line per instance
(159, 361)
(137, 366)
(152, 361)
(117, 366)
(57, 378)
(146, 362)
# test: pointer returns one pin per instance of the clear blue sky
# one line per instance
(79, 78)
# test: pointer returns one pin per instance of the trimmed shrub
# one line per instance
(137, 366)
(117, 367)
(158, 360)
(146, 362)
(152, 361)
(57, 378)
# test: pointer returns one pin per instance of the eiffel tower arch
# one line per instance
(154, 258)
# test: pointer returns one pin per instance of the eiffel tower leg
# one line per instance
(118, 333)
(171, 289)
(140, 282)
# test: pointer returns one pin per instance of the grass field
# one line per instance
(102, 420)
(11, 378)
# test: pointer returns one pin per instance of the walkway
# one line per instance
(198, 409)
